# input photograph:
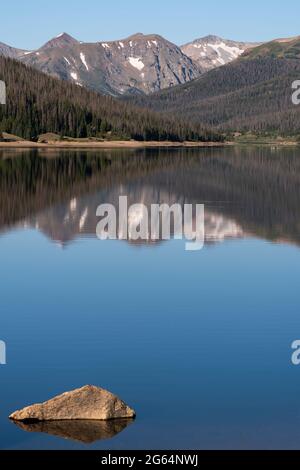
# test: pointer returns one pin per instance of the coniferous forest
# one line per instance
(249, 94)
(38, 104)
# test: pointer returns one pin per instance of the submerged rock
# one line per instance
(88, 403)
(85, 432)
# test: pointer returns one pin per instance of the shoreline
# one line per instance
(124, 144)
(111, 144)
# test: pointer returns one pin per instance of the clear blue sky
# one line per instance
(30, 23)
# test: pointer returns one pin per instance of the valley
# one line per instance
(153, 90)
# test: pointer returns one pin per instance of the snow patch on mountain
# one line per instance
(235, 52)
(136, 62)
(74, 75)
(83, 60)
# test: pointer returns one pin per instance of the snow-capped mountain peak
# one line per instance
(212, 51)
(61, 41)
(138, 64)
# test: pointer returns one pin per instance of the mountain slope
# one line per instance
(37, 103)
(138, 64)
(8, 51)
(246, 95)
(288, 48)
(212, 51)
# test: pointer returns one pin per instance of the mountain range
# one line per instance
(216, 87)
(140, 64)
(252, 93)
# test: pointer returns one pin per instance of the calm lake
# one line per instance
(198, 343)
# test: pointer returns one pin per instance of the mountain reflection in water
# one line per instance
(246, 191)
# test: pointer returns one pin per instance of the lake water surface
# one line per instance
(198, 343)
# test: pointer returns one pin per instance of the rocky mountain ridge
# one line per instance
(139, 64)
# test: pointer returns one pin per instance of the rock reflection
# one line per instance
(86, 432)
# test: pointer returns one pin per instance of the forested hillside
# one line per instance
(281, 48)
(246, 95)
(37, 104)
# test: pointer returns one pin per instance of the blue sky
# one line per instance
(30, 23)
